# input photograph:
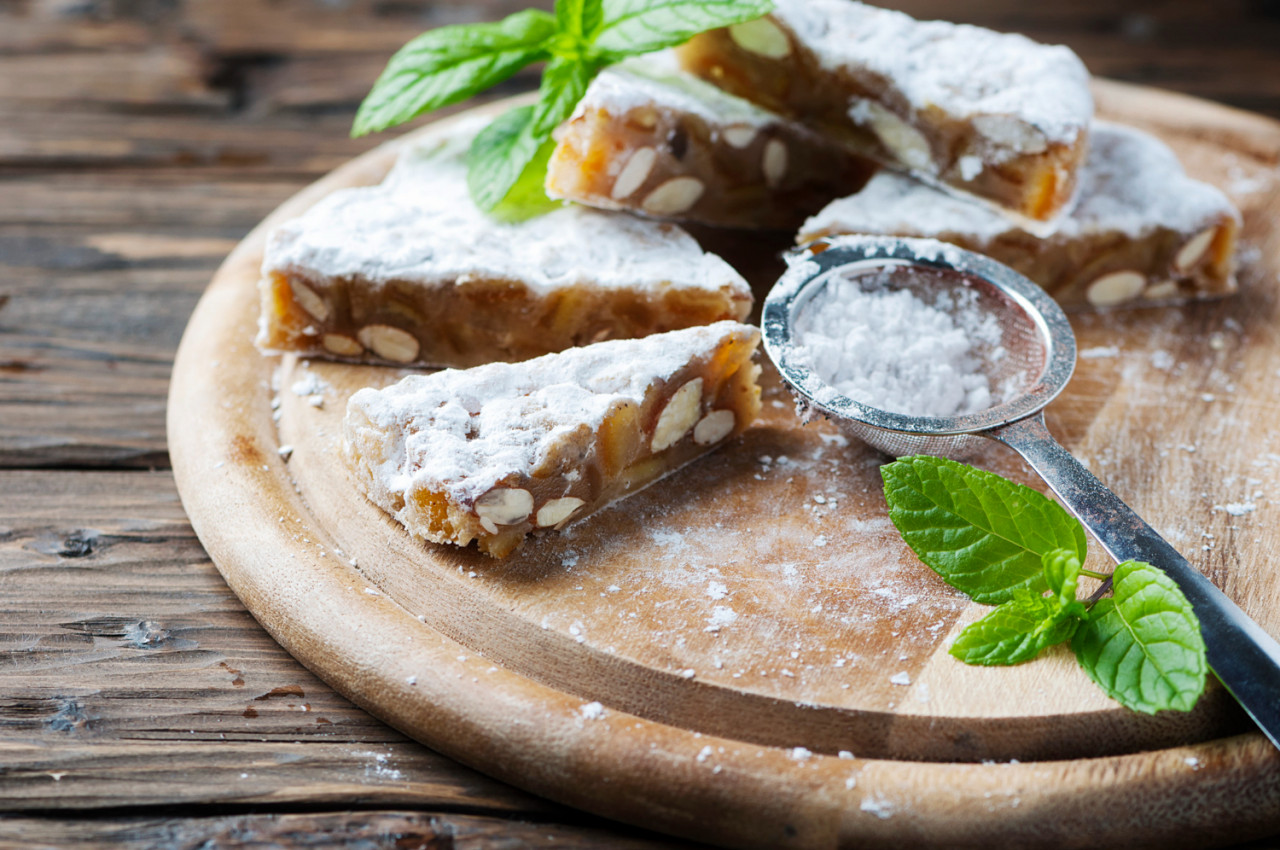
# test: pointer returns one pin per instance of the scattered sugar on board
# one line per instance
(878, 806)
(677, 560)
(891, 350)
(721, 615)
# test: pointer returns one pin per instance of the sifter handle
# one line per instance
(1243, 656)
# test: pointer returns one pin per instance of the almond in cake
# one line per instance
(495, 453)
(1142, 232)
(650, 138)
(994, 115)
(411, 272)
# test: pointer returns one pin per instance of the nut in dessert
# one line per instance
(674, 196)
(679, 415)
(1115, 288)
(389, 343)
(503, 506)
(714, 427)
(761, 36)
(556, 511)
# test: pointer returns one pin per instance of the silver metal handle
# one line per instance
(1245, 658)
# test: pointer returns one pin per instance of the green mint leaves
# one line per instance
(983, 534)
(1143, 645)
(450, 64)
(1005, 544)
(1017, 631)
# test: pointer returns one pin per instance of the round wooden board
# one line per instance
(769, 660)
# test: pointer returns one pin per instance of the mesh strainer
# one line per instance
(1040, 353)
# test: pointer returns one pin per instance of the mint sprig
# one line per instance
(450, 64)
(1003, 543)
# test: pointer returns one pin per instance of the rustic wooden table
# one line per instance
(140, 704)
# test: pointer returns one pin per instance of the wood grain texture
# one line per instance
(119, 199)
(479, 649)
(409, 830)
(133, 678)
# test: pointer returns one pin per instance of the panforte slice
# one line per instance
(1142, 231)
(411, 272)
(650, 138)
(498, 452)
(995, 115)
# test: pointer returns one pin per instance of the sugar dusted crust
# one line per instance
(1141, 232)
(494, 453)
(652, 139)
(411, 272)
(998, 116)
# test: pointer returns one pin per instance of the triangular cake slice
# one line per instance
(994, 115)
(497, 452)
(653, 139)
(1141, 233)
(411, 272)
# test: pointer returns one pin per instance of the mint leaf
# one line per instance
(1062, 574)
(580, 18)
(503, 151)
(631, 27)
(1143, 645)
(527, 198)
(564, 82)
(450, 64)
(1017, 631)
(499, 154)
(983, 534)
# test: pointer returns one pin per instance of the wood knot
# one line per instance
(69, 717)
(145, 634)
(79, 543)
(283, 691)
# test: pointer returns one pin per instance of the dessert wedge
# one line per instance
(411, 272)
(495, 453)
(650, 138)
(1142, 231)
(998, 116)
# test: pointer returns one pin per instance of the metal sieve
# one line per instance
(1039, 357)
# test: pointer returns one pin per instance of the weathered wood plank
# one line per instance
(342, 829)
(45, 136)
(156, 75)
(133, 677)
(98, 275)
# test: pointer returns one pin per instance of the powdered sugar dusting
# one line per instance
(420, 226)
(657, 79)
(962, 71)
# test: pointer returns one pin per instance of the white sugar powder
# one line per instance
(891, 350)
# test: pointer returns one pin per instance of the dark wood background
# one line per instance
(140, 704)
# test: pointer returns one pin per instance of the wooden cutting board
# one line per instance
(746, 653)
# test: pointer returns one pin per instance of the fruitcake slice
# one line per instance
(497, 452)
(994, 115)
(650, 138)
(412, 272)
(1142, 231)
